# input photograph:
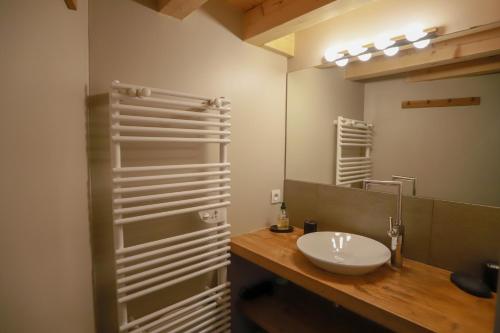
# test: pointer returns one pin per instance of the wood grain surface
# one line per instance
(420, 298)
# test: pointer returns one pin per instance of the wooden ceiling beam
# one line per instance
(179, 8)
(284, 45)
(273, 19)
(448, 50)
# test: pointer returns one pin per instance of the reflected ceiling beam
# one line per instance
(179, 8)
(448, 49)
(273, 19)
(481, 66)
(284, 45)
(71, 4)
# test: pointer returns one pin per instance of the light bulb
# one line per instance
(331, 54)
(365, 56)
(342, 62)
(422, 43)
(391, 51)
(383, 42)
(356, 49)
(414, 32)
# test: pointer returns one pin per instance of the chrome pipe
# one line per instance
(396, 230)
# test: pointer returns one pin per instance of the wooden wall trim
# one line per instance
(436, 103)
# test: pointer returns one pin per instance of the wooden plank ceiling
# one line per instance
(182, 8)
(272, 23)
(273, 19)
(265, 22)
(245, 4)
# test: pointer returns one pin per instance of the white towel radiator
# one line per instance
(353, 167)
(143, 192)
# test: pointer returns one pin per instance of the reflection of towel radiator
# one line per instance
(145, 192)
(354, 142)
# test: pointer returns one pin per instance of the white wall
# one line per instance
(453, 151)
(202, 54)
(316, 97)
(46, 278)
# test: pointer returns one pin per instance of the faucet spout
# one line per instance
(396, 229)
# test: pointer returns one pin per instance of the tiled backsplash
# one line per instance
(454, 236)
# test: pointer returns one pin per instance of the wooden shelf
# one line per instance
(292, 310)
(420, 298)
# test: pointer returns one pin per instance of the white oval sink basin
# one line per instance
(343, 253)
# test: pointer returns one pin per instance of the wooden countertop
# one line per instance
(420, 298)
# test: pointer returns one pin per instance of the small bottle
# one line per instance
(283, 222)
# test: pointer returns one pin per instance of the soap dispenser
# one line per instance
(283, 223)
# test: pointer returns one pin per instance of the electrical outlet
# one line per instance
(275, 196)
(213, 215)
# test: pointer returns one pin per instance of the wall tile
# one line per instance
(464, 235)
(454, 236)
(367, 213)
(417, 219)
(356, 211)
(301, 199)
(361, 212)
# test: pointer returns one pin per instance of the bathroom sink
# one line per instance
(343, 253)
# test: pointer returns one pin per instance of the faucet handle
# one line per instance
(393, 230)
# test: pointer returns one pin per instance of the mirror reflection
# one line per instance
(440, 138)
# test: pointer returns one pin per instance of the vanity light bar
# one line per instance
(417, 38)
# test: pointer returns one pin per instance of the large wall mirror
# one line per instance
(453, 151)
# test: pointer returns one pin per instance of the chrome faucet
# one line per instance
(396, 229)
(413, 181)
